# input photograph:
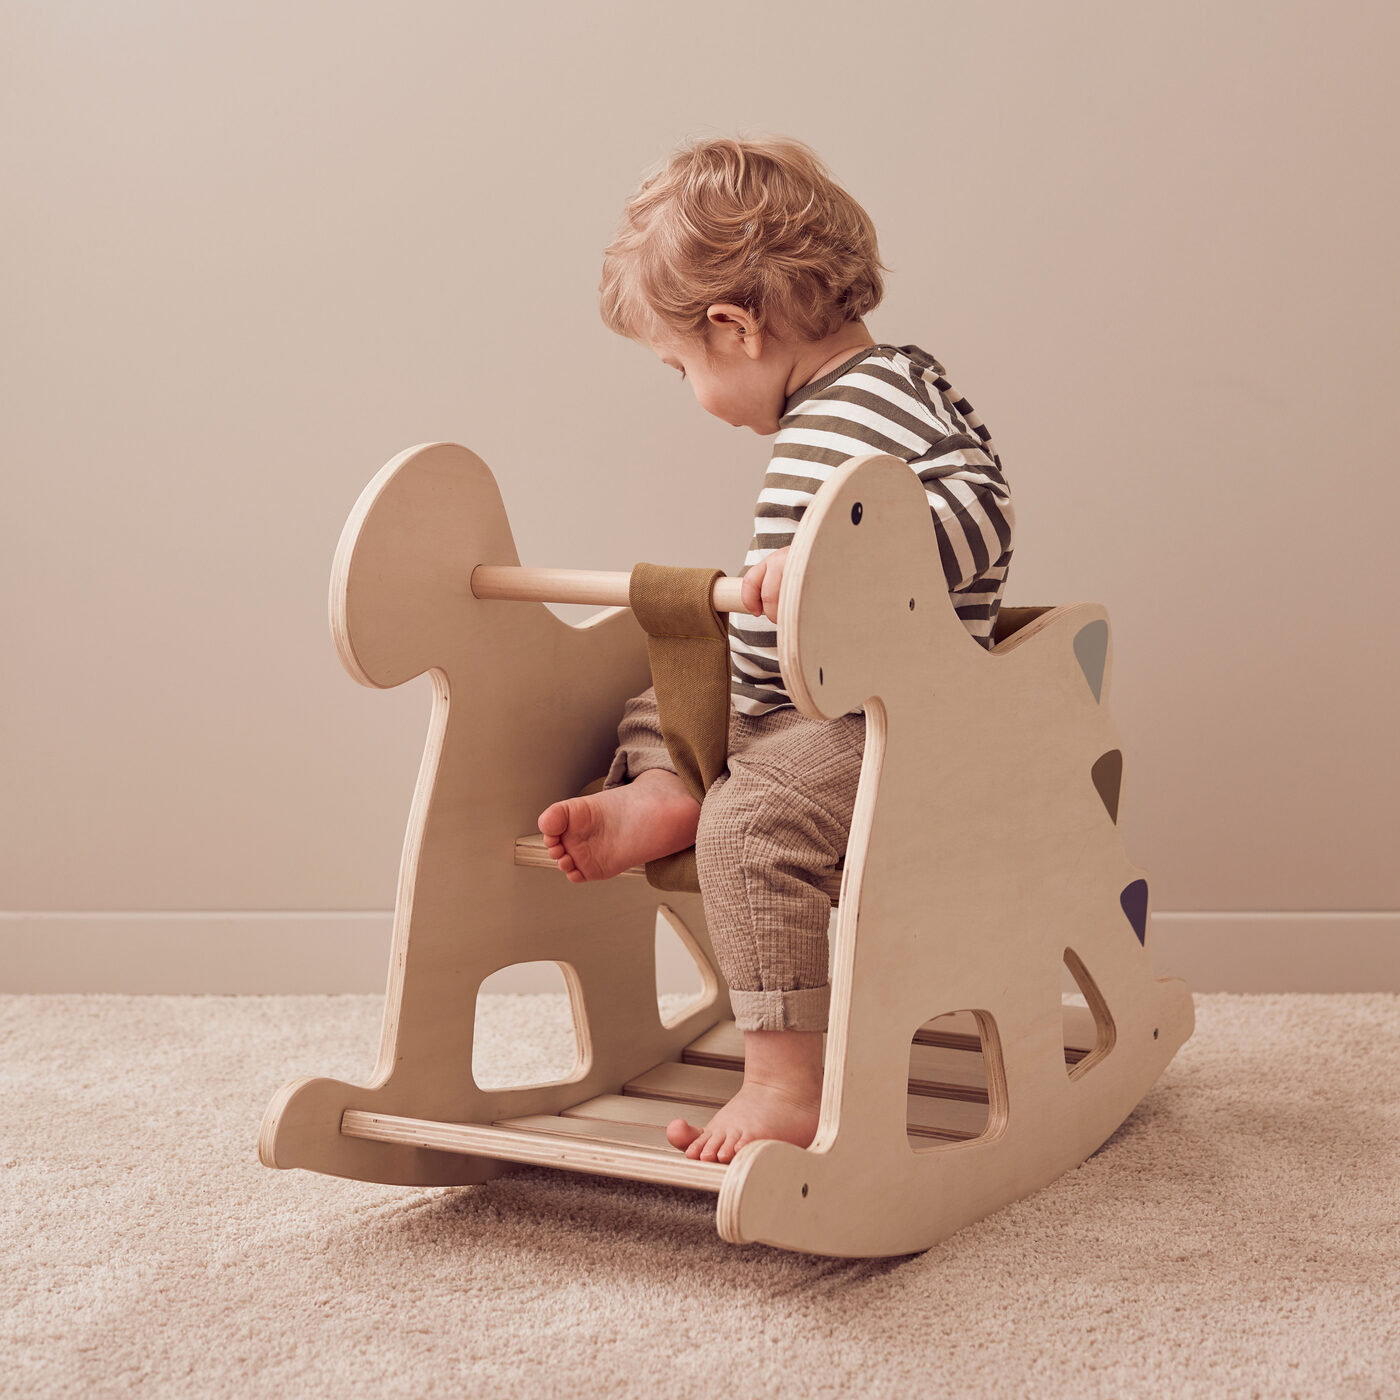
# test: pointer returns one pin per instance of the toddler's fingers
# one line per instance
(750, 591)
(772, 587)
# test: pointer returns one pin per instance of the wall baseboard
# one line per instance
(297, 952)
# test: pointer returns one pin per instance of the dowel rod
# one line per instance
(576, 586)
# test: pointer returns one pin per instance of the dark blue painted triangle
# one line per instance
(1134, 902)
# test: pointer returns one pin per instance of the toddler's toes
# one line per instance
(698, 1146)
(554, 820)
(714, 1147)
(680, 1134)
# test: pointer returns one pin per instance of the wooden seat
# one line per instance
(530, 851)
(985, 862)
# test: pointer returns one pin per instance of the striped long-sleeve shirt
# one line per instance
(893, 399)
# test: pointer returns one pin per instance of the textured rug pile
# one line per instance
(1238, 1236)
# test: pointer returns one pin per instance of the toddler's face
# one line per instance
(742, 379)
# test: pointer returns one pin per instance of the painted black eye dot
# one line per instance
(856, 513)
(820, 681)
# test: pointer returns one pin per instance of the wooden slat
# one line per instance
(630, 1108)
(955, 1031)
(647, 1136)
(686, 1086)
(945, 1120)
(954, 1120)
(681, 1083)
(949, 1074)
(529, 850)
(929, 1120)
(722, 1046)
(537, 1149)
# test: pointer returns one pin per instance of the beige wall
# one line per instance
(255, 250)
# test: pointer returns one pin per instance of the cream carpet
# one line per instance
(1238, 1236)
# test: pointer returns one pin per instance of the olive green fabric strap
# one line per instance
(688, 645)
(689, 651)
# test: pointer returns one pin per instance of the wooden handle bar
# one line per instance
(577, 586)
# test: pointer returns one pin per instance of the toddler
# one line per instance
(745, 268)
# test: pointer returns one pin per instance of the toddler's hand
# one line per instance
(760, 586)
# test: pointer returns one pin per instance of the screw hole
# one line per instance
(819, 676)
(856, 513)
(911, 605)
(1154, 1032)
(804, 1188)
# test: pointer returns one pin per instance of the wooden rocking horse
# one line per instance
(984, 858)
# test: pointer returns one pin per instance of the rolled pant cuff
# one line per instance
(629, 764)
(805, 1009)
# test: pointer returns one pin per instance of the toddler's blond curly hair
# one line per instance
(757, 222)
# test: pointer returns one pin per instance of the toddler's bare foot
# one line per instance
(781, 1098)
(607, 832)
(756, 1111)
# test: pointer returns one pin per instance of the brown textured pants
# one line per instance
(772, 828)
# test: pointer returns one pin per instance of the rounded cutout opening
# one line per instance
(529, 1027)
(684, 979)
(957, 1083)
(1085, 1020)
